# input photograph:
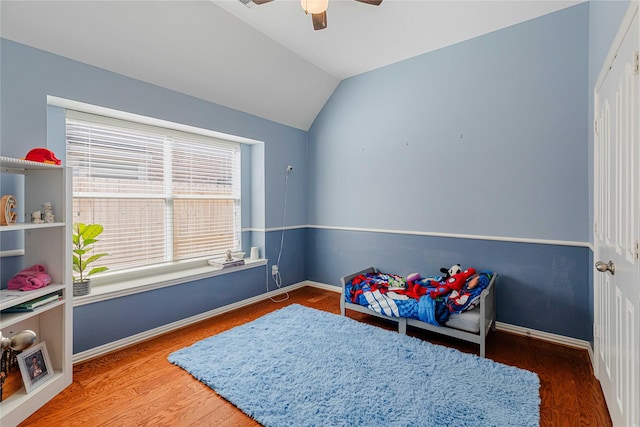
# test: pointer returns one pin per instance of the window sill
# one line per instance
(129, 287)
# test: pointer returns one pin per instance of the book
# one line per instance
(221, 263)
(16, 309)
(32, 304)
(37, 302)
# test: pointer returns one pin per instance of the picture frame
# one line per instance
(35, 366)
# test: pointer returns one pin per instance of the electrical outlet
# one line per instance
(274, 269)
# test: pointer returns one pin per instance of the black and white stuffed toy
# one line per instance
(448, 272)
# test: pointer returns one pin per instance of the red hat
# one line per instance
(42, 155)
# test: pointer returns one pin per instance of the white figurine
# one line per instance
(36, 217)
(49, 217)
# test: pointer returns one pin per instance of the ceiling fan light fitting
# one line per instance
(314, 6)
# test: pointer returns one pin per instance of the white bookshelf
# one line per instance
(48, 244)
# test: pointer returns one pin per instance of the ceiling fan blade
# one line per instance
(319, 20)
(371, 2)
(261, 1)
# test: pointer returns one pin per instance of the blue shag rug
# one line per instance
(298, 366)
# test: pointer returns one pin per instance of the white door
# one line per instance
(617, 224)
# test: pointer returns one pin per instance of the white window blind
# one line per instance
(162, 195)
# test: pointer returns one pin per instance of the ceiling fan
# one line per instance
(318, 10)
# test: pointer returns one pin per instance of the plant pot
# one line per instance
(82, 288)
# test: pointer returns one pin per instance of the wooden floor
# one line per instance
(139, 387)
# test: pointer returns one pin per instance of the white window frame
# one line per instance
(109, 285)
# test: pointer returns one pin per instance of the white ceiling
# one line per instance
(265, 60)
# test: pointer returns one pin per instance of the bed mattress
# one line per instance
(466, 321)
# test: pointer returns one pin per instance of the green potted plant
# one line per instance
(84, 236)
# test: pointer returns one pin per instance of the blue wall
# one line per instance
(486, 138)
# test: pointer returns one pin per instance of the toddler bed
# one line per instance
(423, 304)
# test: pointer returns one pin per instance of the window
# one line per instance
(162, 195)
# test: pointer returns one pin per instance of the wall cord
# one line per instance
(277, 278)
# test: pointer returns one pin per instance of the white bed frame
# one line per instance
(487, 308)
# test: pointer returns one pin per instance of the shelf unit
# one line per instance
(48, 244)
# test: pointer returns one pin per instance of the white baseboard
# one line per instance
(321, 286)
(134, 339)
(544, 336)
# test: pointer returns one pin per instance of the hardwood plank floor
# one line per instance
(137, 386)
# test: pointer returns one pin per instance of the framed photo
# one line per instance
(35, 366)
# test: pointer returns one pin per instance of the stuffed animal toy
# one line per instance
(455, 282)
(414, 277)
(448, 272)
(468, 297)
(414, 289)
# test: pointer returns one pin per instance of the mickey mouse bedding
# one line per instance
(430, 300)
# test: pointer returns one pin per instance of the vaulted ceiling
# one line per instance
(265, 60)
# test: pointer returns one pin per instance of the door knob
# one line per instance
(604, 266)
